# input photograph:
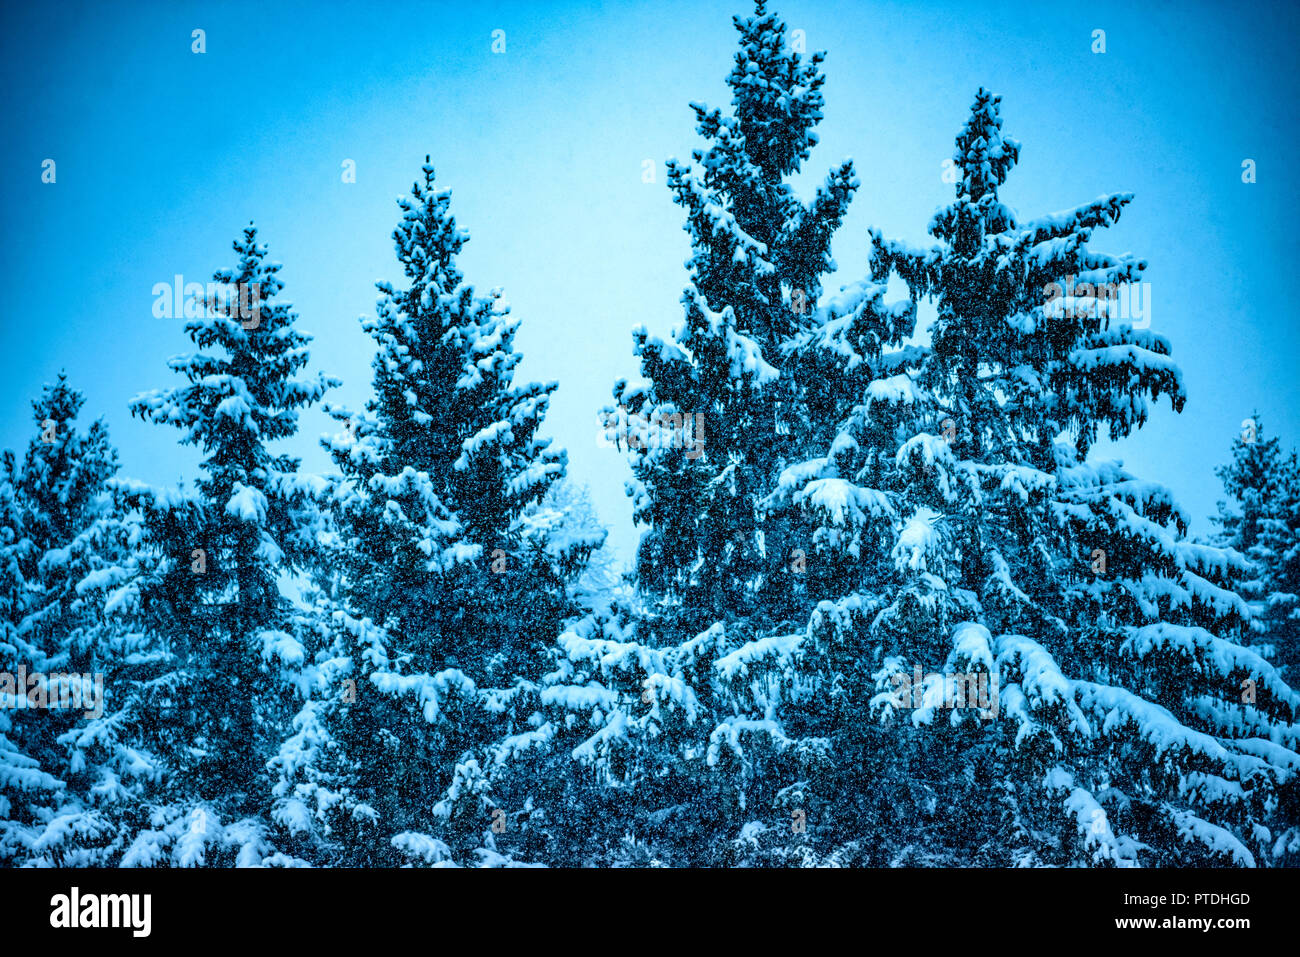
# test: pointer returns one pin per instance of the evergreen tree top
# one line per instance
(245, 394)
(983, 154)
(1026, 311)
(776, 95)
(427, 238)
(447, 416)
(63, 469)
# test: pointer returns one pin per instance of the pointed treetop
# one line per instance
(64, 468)
(777, 94)
(242, 393)
(982, 153)
(58, 401)
(252, 267)
(427, 239)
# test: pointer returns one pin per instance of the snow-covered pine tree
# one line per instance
(1135, 725)
(28, 785)
(71, 536)
(1265, 526)
(566, 524)
(464, 594)
(642, 700)
(207, 580)
(721, 410)
(1265, 484)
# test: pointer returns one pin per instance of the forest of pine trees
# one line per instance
(888, 606)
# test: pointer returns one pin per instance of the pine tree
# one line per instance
(725, 407)
(566, 524)
(643, 697)
(29, 787)
(66, 536)
(1265, 484)
(459, 593)
(240, 653)
(1137, 726)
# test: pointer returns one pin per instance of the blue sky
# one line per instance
(163, 155)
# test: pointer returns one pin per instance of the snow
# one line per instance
(841, 503)
(247, 504)
(896, 390)
(920, 545)
(422, 847)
